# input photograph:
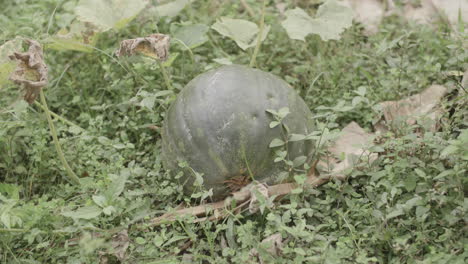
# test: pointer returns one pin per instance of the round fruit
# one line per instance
(219, 128)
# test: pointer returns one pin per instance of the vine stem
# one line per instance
(165, 75)
(260, 35)
(66, 121)
(71, 175)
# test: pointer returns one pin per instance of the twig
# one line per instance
(219, 209)
(247, 8)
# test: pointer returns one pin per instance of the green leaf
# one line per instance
(243, 32)
(296, 137)
(394, 214)
(87, 212)
(274, 124)
(331, 20)
(108, 14)
(117, 185)
(191, 35)
(172, 8)
(276, 143)
(410, 182)
(298, 161)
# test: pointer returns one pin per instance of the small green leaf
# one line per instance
(276, 143)
(394, 214)
(243, 32)
(410, 182)
(331, 20)
(296, 137)
(274, 124)
(299, 161)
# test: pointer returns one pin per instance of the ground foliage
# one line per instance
(408, 207)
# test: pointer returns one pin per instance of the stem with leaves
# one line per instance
(260, 35)
(165, 75)
(71, 175)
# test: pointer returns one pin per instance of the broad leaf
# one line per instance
(191, 36)
(87, 212)
(108, 14)
(172, 8)
(331, 20)
(243, 32)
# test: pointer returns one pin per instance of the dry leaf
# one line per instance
(120, 243)
(464, 82)
(352, 142)
(452, 8)
(155, 46)
(272, 244)
(410, 109)
(432, 9)
(257, 189)
(31, 71)
(424, 14)
(367, 12)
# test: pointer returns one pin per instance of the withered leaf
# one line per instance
(120, 243)
(154, 45)
(31, 70)
(352, 142)
(272, 244)
(409, 110)
(367, 12)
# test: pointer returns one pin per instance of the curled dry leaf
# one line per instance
(154, 45)
(120, 243)
(423, 14)
(367, 12)
(31, 71)
(272, 244)
(255, 190)
(415, 107)
(352, 142)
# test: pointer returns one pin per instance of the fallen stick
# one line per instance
(219, 210)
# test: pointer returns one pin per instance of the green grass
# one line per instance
(408, 207)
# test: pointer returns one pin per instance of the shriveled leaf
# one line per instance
(426, 13)
(171, 8)
(452, 9)
(108, 14)
(154, 45)
(191, 36)
(331, 20)
(7, 66)
(259, 193)
(272, 245)
(415, 107)
(120, 243)
(31, 70)
(352, 142)
(243, 32)
(87, 212)
(367, 12)
(80, 37)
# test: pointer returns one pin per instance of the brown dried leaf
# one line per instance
(155, 46)
(352, 142)
(367, 12)
(272, 244)
(262, 189)
(410, 109)
(120, 243)
(31, 70)
(424, 14)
